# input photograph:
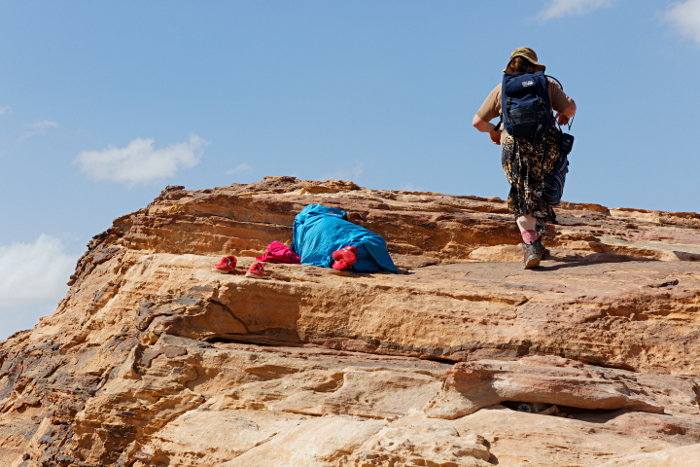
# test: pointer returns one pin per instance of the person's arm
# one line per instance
(482, 126)
(561, 103)
(487, 127)
(565, 115)
(489, 110)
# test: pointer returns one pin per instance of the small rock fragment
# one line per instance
(664, 284)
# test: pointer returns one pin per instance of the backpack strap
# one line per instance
(571, 120)
(558, 82)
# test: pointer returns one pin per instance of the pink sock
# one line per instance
(530, 237)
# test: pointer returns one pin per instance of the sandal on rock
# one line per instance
(225, 264)
(347, 254)
(341, 265)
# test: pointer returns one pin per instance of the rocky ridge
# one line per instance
(153, 359)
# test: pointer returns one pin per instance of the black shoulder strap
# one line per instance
(558, 82)
(571, 121)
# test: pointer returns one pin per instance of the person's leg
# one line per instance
(533, 248)
(527, 225)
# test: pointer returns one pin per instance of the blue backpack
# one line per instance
(525, 104)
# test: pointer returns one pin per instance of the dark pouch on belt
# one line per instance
(566, 142)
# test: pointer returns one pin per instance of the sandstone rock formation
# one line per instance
(153, 359)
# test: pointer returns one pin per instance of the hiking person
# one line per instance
(530, 142)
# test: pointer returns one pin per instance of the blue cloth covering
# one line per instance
(320, 230)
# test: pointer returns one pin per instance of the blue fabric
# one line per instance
(554, 182)
(320, 230)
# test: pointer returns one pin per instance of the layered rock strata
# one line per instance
(153, 359)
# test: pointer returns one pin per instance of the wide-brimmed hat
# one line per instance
(528, 54)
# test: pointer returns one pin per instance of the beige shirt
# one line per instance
(491, 108)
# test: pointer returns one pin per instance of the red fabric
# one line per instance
(279, 253)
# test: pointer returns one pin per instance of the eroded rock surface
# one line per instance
(153, 359)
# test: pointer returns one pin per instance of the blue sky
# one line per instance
(102, 104)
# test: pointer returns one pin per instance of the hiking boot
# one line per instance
(256, 270)
(532, 254)
(225, 264)
(540, 248)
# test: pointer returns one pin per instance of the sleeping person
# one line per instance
(324, 237)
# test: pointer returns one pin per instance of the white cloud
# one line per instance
(411, 187)
(38, 127)
(348, 174)
(559, 8)
(43, 124)
(239, 168)
(139, 161)
(33, 273)
(686, 17)
(5, 110)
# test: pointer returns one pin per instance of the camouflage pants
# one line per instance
(526, 165)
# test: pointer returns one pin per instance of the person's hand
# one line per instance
(562, 119)
(495, 136)
(356, 217)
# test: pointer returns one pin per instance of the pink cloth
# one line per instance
(279, 253)
(530, 236)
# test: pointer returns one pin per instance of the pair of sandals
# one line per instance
(344, 258)
(228, 264)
